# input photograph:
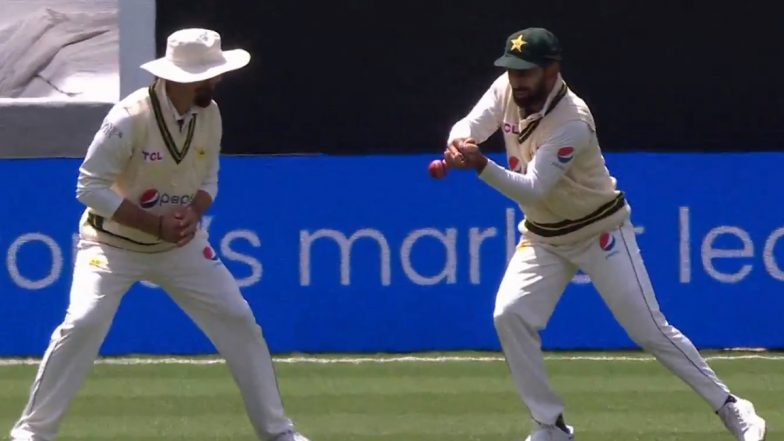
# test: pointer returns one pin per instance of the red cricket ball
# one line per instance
(437, 169)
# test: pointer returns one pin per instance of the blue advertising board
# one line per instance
(369, 254)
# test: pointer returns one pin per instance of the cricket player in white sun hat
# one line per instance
(575, 218)
(148, 177)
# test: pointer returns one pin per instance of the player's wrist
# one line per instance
(201, 202)
(480, 164)
(198, 211)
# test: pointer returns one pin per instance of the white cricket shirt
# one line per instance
(132, 157)
(556, 169)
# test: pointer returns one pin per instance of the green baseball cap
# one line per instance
(530, 48)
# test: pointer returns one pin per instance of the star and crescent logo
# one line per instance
(518, 43)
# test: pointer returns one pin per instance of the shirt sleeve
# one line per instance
(106, 158)
(550, 163)
(486, 116)
(210, 184)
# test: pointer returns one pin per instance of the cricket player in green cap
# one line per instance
(575, 219)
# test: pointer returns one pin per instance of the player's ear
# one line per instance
(552, 69)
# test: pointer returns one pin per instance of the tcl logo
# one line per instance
(152, 156)
(511, 128)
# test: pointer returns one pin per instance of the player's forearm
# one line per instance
(130, 215)
(461, 130)
(518, 187)
(201, 202)
(483, 120)
(101, 199)
(479, 130)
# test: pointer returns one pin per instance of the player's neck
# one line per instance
(532, 108)
(538, 104)
(181, 96)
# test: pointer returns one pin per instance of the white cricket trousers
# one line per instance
(534, 281)
(199, 283)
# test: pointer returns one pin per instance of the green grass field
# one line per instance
(403, 401)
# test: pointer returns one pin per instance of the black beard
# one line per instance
(533, 103)
(203, 101)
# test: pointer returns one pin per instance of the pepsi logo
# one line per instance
(209, 253)
(514, 163)
(607, 241)
(149, 198)
(565, 154)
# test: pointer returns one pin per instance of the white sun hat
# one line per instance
(195, 55)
